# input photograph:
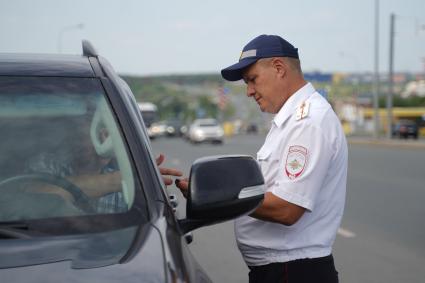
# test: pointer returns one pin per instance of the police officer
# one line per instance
(289, 237)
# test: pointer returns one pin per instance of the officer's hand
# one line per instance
(167, 171)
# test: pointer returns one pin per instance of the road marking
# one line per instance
(346, 233)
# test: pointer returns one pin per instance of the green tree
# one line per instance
(398, 101)
(208, 106)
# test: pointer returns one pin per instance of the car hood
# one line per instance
(75, 260)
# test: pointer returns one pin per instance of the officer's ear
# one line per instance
(280, 66)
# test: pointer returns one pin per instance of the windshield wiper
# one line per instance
(17, 230)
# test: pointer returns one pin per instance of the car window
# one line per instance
(61, 151)
(208, 124)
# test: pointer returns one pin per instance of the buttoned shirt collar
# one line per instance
(292, 103)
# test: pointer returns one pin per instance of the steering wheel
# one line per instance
(81, 200)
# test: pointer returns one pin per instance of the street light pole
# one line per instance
(376, 75)
(63, 30)
(390, 79)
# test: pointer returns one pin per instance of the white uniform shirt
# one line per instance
(304, 161)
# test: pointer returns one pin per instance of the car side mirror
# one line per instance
(222, 188)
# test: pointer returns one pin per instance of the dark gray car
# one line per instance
(81, 198)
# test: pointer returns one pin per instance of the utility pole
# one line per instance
(376, 75)
(390, 79)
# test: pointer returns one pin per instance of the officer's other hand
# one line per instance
(167, 171)
(183, 185)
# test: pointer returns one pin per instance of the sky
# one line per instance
(161, 37)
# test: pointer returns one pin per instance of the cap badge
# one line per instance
(248, 53)
(302, 110)
(295, 161)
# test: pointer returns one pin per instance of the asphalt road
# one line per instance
(382, 236)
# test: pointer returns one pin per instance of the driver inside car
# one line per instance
(77, 161)
(98, 177)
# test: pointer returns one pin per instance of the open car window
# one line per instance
(61, 150)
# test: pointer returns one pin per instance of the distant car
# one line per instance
(252, 128)
(59, 109)
(157, 129)
(405, 129)
(173, 128)
(185, 131)
(206, 130)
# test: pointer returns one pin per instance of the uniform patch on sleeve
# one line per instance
(295, 161)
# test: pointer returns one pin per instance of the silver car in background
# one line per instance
(206, 130)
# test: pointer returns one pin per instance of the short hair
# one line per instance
(293, 63)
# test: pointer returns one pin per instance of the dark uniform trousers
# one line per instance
(309, 270)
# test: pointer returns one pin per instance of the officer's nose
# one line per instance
(250, 91)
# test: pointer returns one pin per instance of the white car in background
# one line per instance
(206, 130)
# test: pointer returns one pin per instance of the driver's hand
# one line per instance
(167, 171)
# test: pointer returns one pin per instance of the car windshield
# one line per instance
(62, 153)
(207, 123)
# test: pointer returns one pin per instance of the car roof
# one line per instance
(58, 65)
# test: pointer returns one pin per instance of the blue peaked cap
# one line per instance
(263, 46)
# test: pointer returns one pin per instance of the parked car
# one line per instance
(206, 130)
(62, 119)
(405, 128)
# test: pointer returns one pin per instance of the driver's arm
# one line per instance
(94, 186)
(97, 185)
